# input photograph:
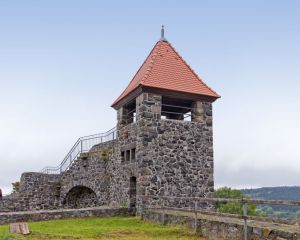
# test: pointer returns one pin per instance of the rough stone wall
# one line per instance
(226, 228)
(37, 191)
(8, 203)
(175, 157)
(87, 172)
(84, 184)
(120, 172)
(63, 214)
(170, 158)
(178, 161)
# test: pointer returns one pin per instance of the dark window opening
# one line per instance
(132, 192)
(176, 109)
(133, 155)
(130, 112)
(127, 157)
(122, 156)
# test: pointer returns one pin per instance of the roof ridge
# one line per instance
(136, 74)
(146, 75)
(170, 72)
(192, 70)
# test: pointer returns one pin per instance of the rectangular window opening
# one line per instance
(130, 112)
(127, 158)
(122, 157)
(176, 109)
(133, 155)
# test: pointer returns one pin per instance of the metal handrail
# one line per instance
(83, 144)
(176, 106)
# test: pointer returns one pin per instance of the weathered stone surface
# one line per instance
(43, 215)
(37, 191)
(225, 228)
(20, 228)
(167, 157)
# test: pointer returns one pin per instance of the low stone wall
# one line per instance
(63, 214)
(224, 228)
(209, 226)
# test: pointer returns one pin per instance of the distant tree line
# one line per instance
(231, 207)
(270, 193)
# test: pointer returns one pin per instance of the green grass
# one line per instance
(129, 228)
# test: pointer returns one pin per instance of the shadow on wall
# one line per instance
(80, 197)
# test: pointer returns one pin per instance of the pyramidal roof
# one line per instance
(165, 69)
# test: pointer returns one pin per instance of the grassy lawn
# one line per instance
(101, 228)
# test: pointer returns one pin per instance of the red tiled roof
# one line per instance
(165, 69)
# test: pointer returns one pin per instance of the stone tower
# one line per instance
(165, 135)
(164, 147)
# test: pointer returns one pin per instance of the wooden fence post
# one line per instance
(163, 212)
(196, 216)
(245, 216)
(141, 208)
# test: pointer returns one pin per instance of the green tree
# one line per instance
(232, 207)
(16, 186)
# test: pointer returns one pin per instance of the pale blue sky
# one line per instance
(62, 63)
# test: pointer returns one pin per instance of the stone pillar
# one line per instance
(122, 117)
(198, 113)
(148, 106)
(148, 113)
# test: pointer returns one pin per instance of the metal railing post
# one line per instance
(245, 216)
(81, 146)
(196, 217)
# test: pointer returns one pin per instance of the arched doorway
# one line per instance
(80, 197)
(132, 192)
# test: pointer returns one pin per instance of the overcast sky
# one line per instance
(62, 64)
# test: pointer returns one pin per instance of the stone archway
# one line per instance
(80, 197)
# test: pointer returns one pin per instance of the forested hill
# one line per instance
(277, 193)
(274, 193)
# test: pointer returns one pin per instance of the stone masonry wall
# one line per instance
(84, 184)
(120, 172)
(175, 158)
(152, 156)
(87, 176)
(37, 191)
(219, 228)
(43, 215)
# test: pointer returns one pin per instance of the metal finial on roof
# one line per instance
(162, 34)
